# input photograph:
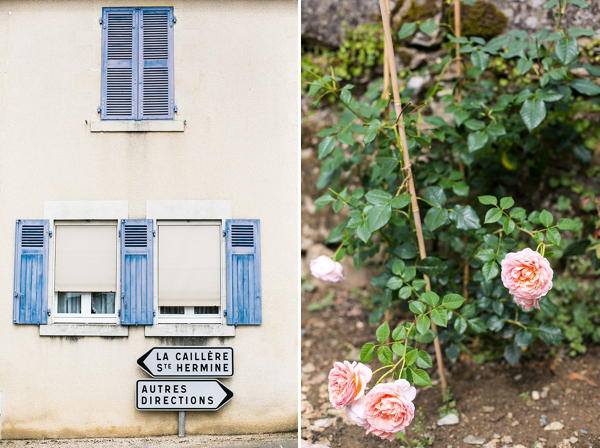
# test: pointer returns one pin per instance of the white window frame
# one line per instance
(86, 297)
(181, 211)
(82, 211)
(189, 316)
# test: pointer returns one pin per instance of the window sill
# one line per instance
(190, 330)
(84, 330)
(137, 126)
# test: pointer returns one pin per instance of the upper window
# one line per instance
(137, 64)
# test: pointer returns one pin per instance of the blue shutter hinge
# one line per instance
(154, 233)
(49, 312)
(174, 19)
(224, 312)
(119, 233)
(175, 108)
(101, 20)
(119, 313)
(99, 110)
(224, 232)
(153, 313)
(50, 233)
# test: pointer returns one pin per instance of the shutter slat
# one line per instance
(244, 290)
(118, 64)
(31, 272)
(137, 297)
(156, 64)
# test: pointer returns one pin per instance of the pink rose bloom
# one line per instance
(528, 277)
(356, 411)
(389, 409)
(326, 269)
(347, 382)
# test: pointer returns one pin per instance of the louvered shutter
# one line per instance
(31, 272)
(244, 296)
(119, 68)
(137, 296)
(156, 100)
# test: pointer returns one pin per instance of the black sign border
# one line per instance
(141, 359)
(227, 399)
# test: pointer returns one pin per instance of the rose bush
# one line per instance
(326, 269)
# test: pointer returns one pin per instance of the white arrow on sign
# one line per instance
(181, 395)
(188, 362)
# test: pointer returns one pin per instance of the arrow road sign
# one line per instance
(188, 362)
(181, 395)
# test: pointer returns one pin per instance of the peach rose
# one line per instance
(347, 382)
(326, 269)
(389, 409)
(356, 411)
(528, 277)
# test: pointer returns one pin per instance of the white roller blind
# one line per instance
(86, 258)
(189, 265)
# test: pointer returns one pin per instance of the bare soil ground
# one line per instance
(494, 401)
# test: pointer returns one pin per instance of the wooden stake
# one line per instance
(386, 70)
(407, 167)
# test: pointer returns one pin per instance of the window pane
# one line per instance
(103, 303)
(172, 310)
(206, 310)
(69, 302)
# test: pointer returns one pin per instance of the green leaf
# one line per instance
(405, 292)
(385, 355)
(477, 140)
(550, 334)
(460, 189)
(474, 125)
(398, 267)
(411, 357)
(506, 202)
(409, 273)
(378, 197)
(550, 4)
(578, 32)
(382, 333)
(453, 301)
(431, 266)
(363, 232)
(546, 218)
(324, 200)
(431, 299)
(435, 195)
(508, 226)
(498, 308)
(577, 247)
(586, 87)
(419, 284)
(465, 217)
(480, 60)
(496, 130)
(420, 378)
(494, 323)
(346, 97)
(424, 359)
(372, 130)
(452, 351)
(460, 325)
(518, 213)
(428, 337)
(434, 120)
(394, 283)
(523, 338)
(399, 333)
(460, 116)
(567, 50)
(326, 146)
(486, 255)
(553, 236)
(579, 3)
(400, 201)
(492, 215)
(512, 353)
(524, 65)
(423, 324)
(417, 307)
(378, 217)
(435, 218)
(428, 27)
(398, 349)
(367, 352)
(567, 224)
(550, 95)
(490, 270)
(533, 113)
(488, 200)
(440, 317)
(407, 30)
(477, 325)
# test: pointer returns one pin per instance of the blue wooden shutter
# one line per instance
(155, 90)
(137, 266)
(119, 68)
(244, 295)
(31, 272)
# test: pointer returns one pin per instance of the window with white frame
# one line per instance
(85, 271)
(190, 281)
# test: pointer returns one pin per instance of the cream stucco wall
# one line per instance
(236, 88)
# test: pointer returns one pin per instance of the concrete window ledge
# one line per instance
(137, 126)
(187, 330)
(84, 330)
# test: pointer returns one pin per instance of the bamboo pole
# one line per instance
(407, 167)
(386, 70)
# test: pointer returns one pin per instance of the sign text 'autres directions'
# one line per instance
(181, 395)
(188, 362)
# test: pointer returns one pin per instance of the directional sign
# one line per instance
(188, 362)
(180, 395)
